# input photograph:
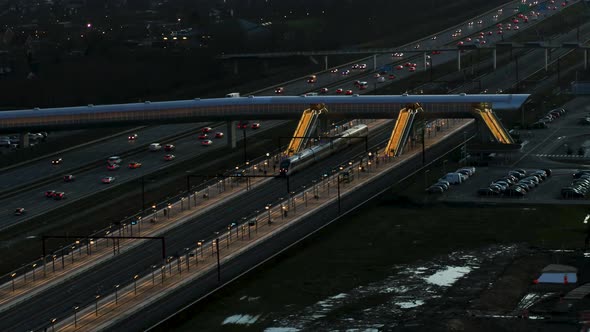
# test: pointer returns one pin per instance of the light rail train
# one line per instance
(309, 156)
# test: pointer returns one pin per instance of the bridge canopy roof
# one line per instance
(250, 107)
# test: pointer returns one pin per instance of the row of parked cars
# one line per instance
(550, 117)
(444, 183)
(579, 187)
(517, 183)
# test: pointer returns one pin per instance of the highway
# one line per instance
(444, 40)
(89, 182)
(138, 261)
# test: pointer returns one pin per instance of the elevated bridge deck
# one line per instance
(242, 108)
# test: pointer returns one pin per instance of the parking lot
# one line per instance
(547, 192)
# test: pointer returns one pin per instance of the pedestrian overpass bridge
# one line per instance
(402, 107)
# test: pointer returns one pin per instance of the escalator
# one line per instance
(401, 132)
(496, 128)
(305, 127)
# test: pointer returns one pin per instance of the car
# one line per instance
(490, 33)
(59, 195)
(255, 125)
(397, 55)
(479, 21)
(56, 161)
(470, 23)
(132, 137)
(355, 66)
(515, 191)
(469, 169)
(399, 67)
(363, 85)
(460, 43)
(69, 178)
(417, 46)
(279, 90)
(345, 72)
(114, 160)
(169, 147)
(339, 91)
(203, 136)
(487, 192)
(49, 193)
(376, 75)
(516, 174)
(468, 40)
(499, 32)
(169, 157)
(412, 69)
(496, 187)
(357, 83)
(363, 66)
(207, 142)
(19, 211)
(433, 37)
(435, 190)
(134, 165)
(391, 76)
(381, 79)
(436, 52)
(243, 124)
(508, 27)
(526, 186)
(323, 91)
(516, 27)
(539, 172)
(155, 147)
(515, 21)
(348, 92)
(408, 64)
(539, 125)
(520, 15)
(206, 130)
(482, 42)
(444, 184)
(218, 134)
(113, 167)
(334, 71)
(108, 179)
(580, 174)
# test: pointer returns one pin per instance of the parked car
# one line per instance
(515, 191)
(435, 190)
(452, 178)
(487, 192)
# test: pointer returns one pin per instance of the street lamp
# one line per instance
(200, 245)
(53, 320)
(135, 284)
(76, 315)
(12, 276)
(96, 297)
(267, 207)
(117, 293)
(34, 265)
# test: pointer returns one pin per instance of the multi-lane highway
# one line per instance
(88, 182)
(443, 40)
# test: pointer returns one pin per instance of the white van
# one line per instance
(232, 95)
(453, 178)
(155, 147)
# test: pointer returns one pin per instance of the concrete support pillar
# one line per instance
(231, 134)
(325, 62)
(235, 67)
(323, 124)
(24, 140)
(494, 58)
(546, 59)
(425, 61)
(586, 59)
(458, 60)
(374, 61)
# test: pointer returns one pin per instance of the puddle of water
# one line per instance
(410, 304)
(448, 276)
(241, 319)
